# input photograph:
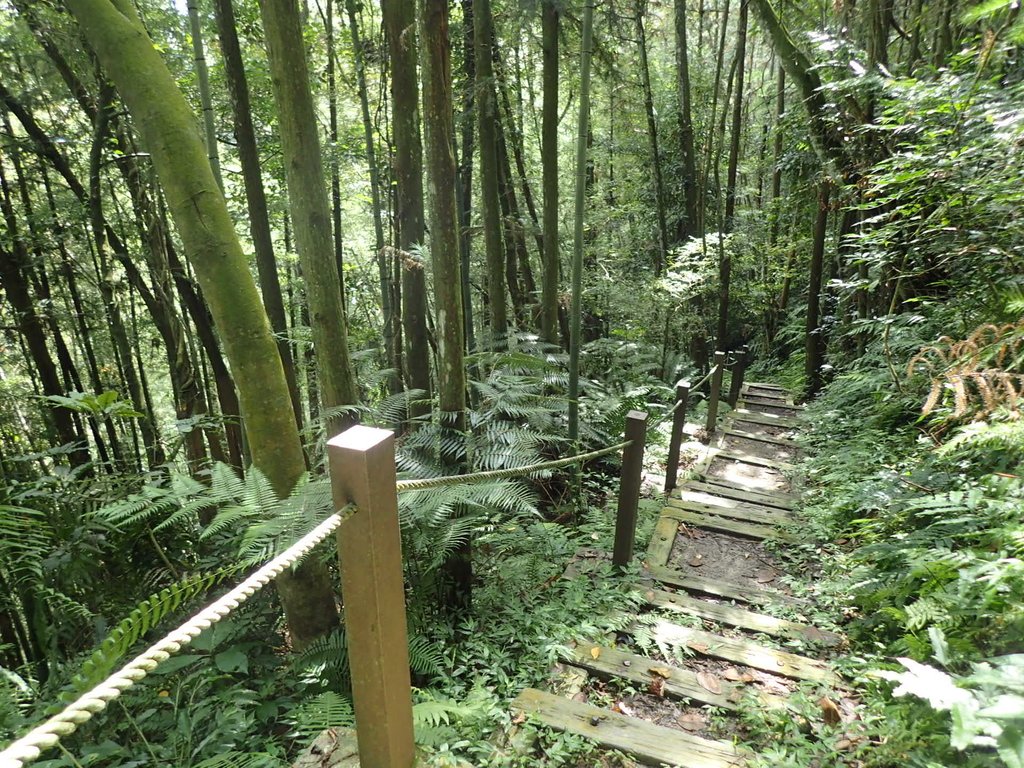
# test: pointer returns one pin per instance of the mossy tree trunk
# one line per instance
(549, 166)
(169, 132)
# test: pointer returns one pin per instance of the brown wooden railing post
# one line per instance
(362, 469)
(678, 422)
(716, 391)
(629, 487)
(739, 369)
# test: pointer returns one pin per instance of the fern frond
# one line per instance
(325, 710)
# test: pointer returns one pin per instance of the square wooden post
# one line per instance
(362, 469)
(716, 392)
(629, 487)
(678, 422)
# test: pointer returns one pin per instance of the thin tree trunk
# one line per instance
(332, 129)
(255, 196)
(652, 136)
(400, 23)
(737, 119)
(205, 97)
(814, 339)
(549, 166)
(464, 196)
(439, 135)
(780, 110)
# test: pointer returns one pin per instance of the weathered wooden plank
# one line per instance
(766, 385)
(757, 461)
(741, 651)
(716, 522)
(768, 419)
(744, 512)
(772, 402)
(662, 539)
(679, 683)
(730, 590)
(762, 438)
(649, 743)
(720, 488)
(724, 504)
(730, 615)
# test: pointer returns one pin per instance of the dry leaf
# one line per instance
(595, 652)
(691, 721)
(650, 594)
(699, 647)
(664, 672)
(829, 711)
(695, 561)
(656, 687)
(622, 708)
(843, 744)
(731, 673)
(765, 575)
(709, 682)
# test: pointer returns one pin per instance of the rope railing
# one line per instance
(47, 735)
(30, 746)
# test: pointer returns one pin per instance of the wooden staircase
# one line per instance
(705, 563)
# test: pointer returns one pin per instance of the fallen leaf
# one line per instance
(581, 697)
(519, 719)
(765, 575)
(595, 652)
(691, 721)
(622, 708)
(664, 672)
(829, 711)
(650, 594)
(656, 687)
(709, 682)
(843, 744)
(695, 561)
(731, 673)
(699, 647)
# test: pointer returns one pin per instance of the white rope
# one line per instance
(30, 746)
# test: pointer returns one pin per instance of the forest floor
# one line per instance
(724, 631)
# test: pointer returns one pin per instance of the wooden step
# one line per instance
(762, 438)
(768, 419)
(680, 683)
(660, 546)
(771, 402)
(716, 522)
(730, 615)
(717, 488)
(766, 394)
(764, 385)
(725, 506)
(648, 743)
(747, 513)
(742, 651)
(757, 461)
(723, 588)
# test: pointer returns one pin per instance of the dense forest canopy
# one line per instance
(232, 229)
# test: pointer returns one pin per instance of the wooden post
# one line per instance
(739, 369)
(629, 487)
(678, 422)
(716, 391)
(362, 469)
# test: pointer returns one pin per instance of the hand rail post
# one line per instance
(716, 391)
(362, 471)
(739, 369)
(678, 422)
(629, 487)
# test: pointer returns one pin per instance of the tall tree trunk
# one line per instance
(205, 96)
(311, 215)
(400, 23)
(582, 145)
(814, 339)
(332, 135)
(652, 136)
(168, 130)
(780, 110)
(391, 336)
(255, 196)
(439, 134)
(464, 197)
(549, 168)
(737, 119)
(490, 210)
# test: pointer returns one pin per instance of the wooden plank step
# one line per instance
(766, 394)
(681, 683)
(765, 385)
(767, 419)
(660, 546)
(757, 461)
(741, 433)
(742, 651)
(725, 505)
(771, 402)
(714, 522)
(729, 590)
(713, 486)
(730, 615)
(745, 512)
(648, 743)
